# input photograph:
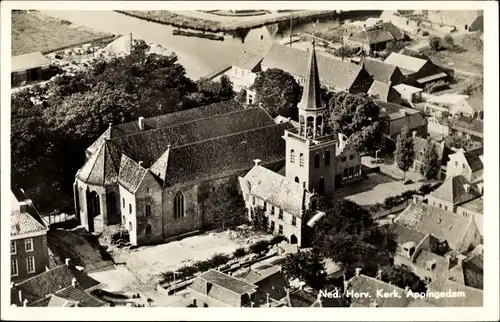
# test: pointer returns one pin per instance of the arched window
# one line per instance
(130, 226)
(301, 125)
(148, 229)
(316, 160)
(179, 205)
(111, 200)
(297, 179)
(292, 156)
(301, 160)
(321, 188)
(310, 127)
(319, 124)
(327, 158)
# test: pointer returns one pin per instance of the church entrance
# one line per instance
(338, 180)
(293, 239)
(93, 208)
(321, 188)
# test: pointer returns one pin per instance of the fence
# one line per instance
(58, 218)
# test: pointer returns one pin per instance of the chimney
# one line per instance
(25, 303)
(110, 124)
(414, 134)
(73, 282)
(257, 162)
(467, 187)
(67, 261)
(20, 294)
(461, 259)
(141, 123)
(391, 218)
(379, 275)
(358, 270)
(140, 163)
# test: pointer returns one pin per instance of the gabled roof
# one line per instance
(99, 168)
(475, 158)
(405, 62)
(70, 296)
(452, 190)
(29, 61)
(443, 152)
(311, 95)
(468, 125)
(276, 189)
(425, 256)
(131, 174)
(441, 224)
(51, 282)
(464, 17)
(449, 99)
(403, 234)
(476, 102)
(383, 91)
(383, 32)
(474, 271)
(248, 61)
(473, 297)
(379, 70)
(334, 72)
(363, 283)
(24, 223)
(260, 273)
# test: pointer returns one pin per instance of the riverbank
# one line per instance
(212, 23)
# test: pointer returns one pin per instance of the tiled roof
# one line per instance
(29, 61)
(384, 32)
(475, 205)
(464, 17)
(425, 256)
(441, 224)
(473, 297)
(72, 295)
(468, 125)
(248, 61)
(443, 152)
(100, 168)
(405, 62)
(24, 223)
(476, 102)
(394, 110)
(379, 70)
(131, 174)
(371, 285)
(311, 95)
(404, 234)
(259, 273)
(383, 91)
(474, 158)
(277, 190)
(226, 154)
(50, 282)
(473, 271)
(453, 190)
(333, 72)
(449, 99)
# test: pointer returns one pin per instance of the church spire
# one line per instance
(311, 96)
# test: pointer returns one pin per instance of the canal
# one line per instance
(198, 56)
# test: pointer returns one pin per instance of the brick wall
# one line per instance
(40, 252)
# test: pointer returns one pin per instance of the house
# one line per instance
(374, 38)
(29, 67)
(459, 294)
(458, 232)
(409, 93)
(65, 282)
(468, 128)
(244, 71)
(397, 116)
(336, 75)
(454, 191)
(316, 163)
(474, 209)
(454, 105)
(384, 92)
(28, 241)
(217, 289)
(417, 72)
(468, 164)
(443, 152)
(269, 279)
(151, 175)
(382, 71)
(462, 20)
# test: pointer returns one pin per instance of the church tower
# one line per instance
(310, 154)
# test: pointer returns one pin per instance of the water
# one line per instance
(198, 56)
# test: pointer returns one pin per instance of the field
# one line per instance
(148, 262)
(33, 31)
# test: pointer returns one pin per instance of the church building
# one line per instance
(316, 163)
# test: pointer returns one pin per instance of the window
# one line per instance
(351, 172)
(271, 227)
(327, 158)
(456, 163)
(343, 159)
(316, 160)
(129, 208)
(280, 215)
(294, 221)
(253, 200)
(148, 191)
(344, 174)
(440, 205)
(351, 157)
(13, 267)
(280, 229)
(356, 170)
(179, 205)
(301, 160)
(264, 222)
(148, 210)
(130, 226)
(123, 202)
(463, 165)
(148, 229)
(292, 156)
(30, 264)
(28, 244)
(265, 206)
(13, 247)
(297, 179)
(428, 279)
(445, 207)
(272, 210)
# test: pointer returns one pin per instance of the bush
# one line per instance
(186, 271)
(219, 260)
(389, 202)
(425, 189)
(277, 239)
(203, 266)
(260, 247)
(435, 43)
(437, 86)
(239, 252)
(449, 41)
(376, 207)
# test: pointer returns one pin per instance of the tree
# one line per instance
(307, 266)
(357, 117)
(225, 206)
(241, 97)
(449, 41)
(278, 92)
(349, 235)
(259, 247)
(239, 252)
(219, 259)
(429, 167)
(344, 52)
(404, 150)
(435, 43)
(402, 277)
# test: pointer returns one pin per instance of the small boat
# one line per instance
(178, 32)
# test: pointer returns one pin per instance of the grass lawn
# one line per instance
(33, 31)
